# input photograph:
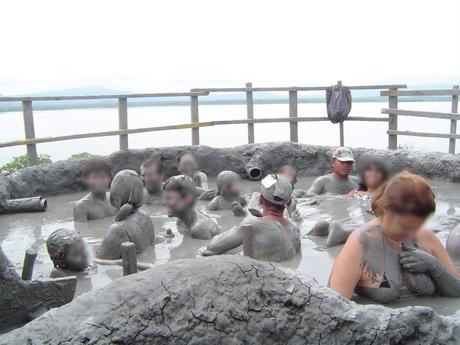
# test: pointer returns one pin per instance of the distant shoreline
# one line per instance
(112, 103)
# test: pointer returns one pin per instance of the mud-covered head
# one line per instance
(97, 174)
(126, 193)
(276, 189)
(228, 184)
(404, 204)
(187, 164)
(342, 162)
(180, 195)
(152, 174)
(67, 249)
(373, 171)
(290, 173)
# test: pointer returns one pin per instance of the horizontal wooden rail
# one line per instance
(417, 113)
(296, 88)
(180, 126)
(440, 92)
(128, 95)
(426, 135)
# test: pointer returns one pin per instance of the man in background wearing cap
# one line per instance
(339, 181)
(270, 237)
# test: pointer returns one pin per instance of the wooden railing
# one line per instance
(394, 112)
(392, 91)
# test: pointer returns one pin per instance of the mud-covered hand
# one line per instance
(204, 251)
(415, 260)
(237, 209)
(208, 195)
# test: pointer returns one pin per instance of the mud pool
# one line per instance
(22, 231)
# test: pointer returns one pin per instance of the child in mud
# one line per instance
(152, 174)
(373, 173)
(68, 252)
(394, 254)
(270, 237)
(131, 224)
(339, 181)
(97, 174)
(228, 194)
(180, 199)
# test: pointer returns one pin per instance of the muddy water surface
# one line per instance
(22, 231)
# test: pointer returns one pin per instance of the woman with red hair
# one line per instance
(394, 255)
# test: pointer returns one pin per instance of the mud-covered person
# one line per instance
(394, 254)
(152, 174)
(373, 173)
(271, 237)
(228, 195)
(97, 174)
(180, 199)
(68, 252)
(131, 224)
(187, 164)
(289, 172)
(339, 182)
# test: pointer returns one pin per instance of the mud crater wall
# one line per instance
(65, 176)
(239, 301)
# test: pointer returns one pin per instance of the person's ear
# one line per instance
(289, 202)
(260, 199)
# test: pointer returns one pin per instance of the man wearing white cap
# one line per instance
(270, 237)
(339, 181)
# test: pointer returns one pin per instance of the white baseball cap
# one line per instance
(343, 154)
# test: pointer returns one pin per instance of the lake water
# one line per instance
(23, 231)
(357, 134)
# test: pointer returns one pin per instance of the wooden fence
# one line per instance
(390, 91)
(393, 111)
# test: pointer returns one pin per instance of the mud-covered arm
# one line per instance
(80, 212)
(347, 269)
(214, 204)
(317, 187)
(110, 246)
(224, 242)
(439, 266)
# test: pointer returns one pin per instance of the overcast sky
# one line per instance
(175, 45)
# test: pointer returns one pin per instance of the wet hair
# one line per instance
(370, 162)
(271, 206)
(184, 153)
(97, 164)
(181, 184)
(287, 167)
(406, 194)
(153, 161)
(126, 193)
(58, 244)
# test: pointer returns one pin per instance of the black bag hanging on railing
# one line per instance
(338, 102)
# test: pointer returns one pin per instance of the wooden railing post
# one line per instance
(29, 261)
(250, 112)
(128, 258)
(123, 121)
(393, 122)
(29, 130)
(293, 126)
(195, 118)
(453, 123)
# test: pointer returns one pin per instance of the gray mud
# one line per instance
(65, 176)
(22, 231)
(238, 301)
